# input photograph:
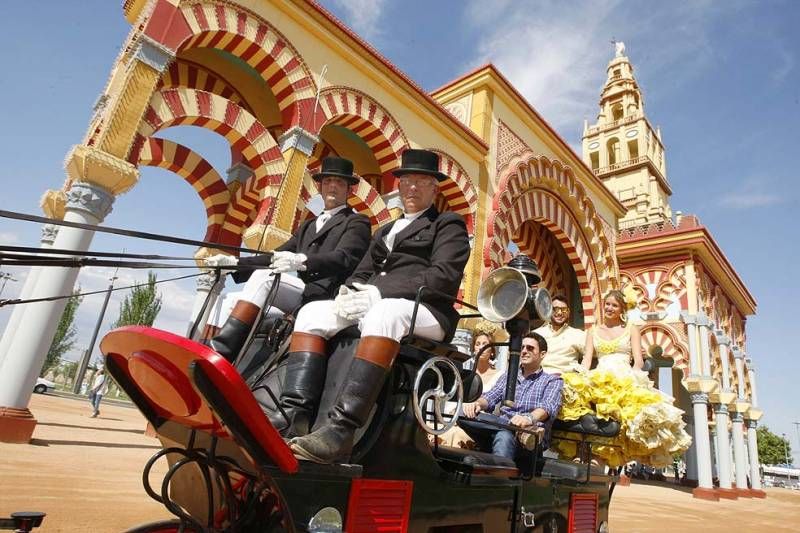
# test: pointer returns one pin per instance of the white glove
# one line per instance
(369, 294)
(349, 304)
(221, 260)
(288, 262)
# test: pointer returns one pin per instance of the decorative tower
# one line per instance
(624, 150)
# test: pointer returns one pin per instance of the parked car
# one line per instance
(43, 385)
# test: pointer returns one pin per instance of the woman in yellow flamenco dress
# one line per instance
(652, 429)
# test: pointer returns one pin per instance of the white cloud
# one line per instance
(8, 238)
(363, 16)
(753, 193)
(555, 53)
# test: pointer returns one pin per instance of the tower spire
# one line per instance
(624, 149)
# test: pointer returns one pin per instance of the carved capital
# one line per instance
(90, 198)
(737, 417)
(463, 340)
(699, 397)
(737, 353)
(49, 232)
(91, 165)
(721, 409)
(268, 237)
(205, 282)
(752, 424)
(299, 139)
(722, 339)
(688, 319)
(238, 173)
(53, 203)
(153, 54)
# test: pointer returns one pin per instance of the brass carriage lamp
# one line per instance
(510, 295)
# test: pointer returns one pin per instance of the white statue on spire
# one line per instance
(619, 48)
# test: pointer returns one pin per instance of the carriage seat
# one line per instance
(588, 425)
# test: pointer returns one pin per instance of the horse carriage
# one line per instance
(230, 470)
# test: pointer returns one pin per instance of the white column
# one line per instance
(725, 464)
(723, 447)
(695, 368)
(738, 358)
(702, 441)
(738, 422)
(703, 331)
(205, 285)
(49, 232)
(751, 376)
(752, 445)
(88, 204)
(738, 451)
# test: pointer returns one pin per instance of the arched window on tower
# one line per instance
(613, 151)
(594, 157)
(617, 111)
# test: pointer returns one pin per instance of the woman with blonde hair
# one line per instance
(652, 429)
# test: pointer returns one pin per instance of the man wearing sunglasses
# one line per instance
(565, 343)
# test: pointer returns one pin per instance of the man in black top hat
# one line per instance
(423, 247)
(323, 251)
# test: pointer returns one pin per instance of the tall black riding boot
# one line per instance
(302, 386)
(233, 334)
(334, 441)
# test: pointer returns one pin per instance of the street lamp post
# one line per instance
(84, 362)
(786, 458)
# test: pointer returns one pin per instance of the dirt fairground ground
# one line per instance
(85, 473)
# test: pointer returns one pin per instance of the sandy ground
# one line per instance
(85, 473)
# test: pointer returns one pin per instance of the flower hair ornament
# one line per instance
(484, 327)
(630, 296)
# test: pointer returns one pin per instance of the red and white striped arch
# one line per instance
(540, 244)
(456, 193)
(668, 340)
(197, 172)
(184, 73)
(547, 209)
(251, 39)
(181, 106)
(547, 192)
(365, 117)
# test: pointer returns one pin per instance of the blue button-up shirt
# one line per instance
(537, 391)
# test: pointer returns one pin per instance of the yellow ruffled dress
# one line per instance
(652, 428)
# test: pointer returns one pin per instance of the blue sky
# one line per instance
(720, 78)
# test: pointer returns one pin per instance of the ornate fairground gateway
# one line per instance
(287, 84)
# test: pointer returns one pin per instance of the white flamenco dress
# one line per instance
(652, 428)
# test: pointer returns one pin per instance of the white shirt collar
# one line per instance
(334, 210)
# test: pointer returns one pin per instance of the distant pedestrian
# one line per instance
(98, 390)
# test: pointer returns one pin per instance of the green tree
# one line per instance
(141, 306)
(772, 449)
(64, 339)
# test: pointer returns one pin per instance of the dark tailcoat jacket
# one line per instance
(332, 253)
(432, 251)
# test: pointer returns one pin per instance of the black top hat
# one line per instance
(338, 167)
(420, 162)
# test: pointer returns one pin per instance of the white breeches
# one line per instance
(390, 317)
(289, 296)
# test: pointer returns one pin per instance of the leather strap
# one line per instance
(378, 350)
(245, 311)
(306, 342)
